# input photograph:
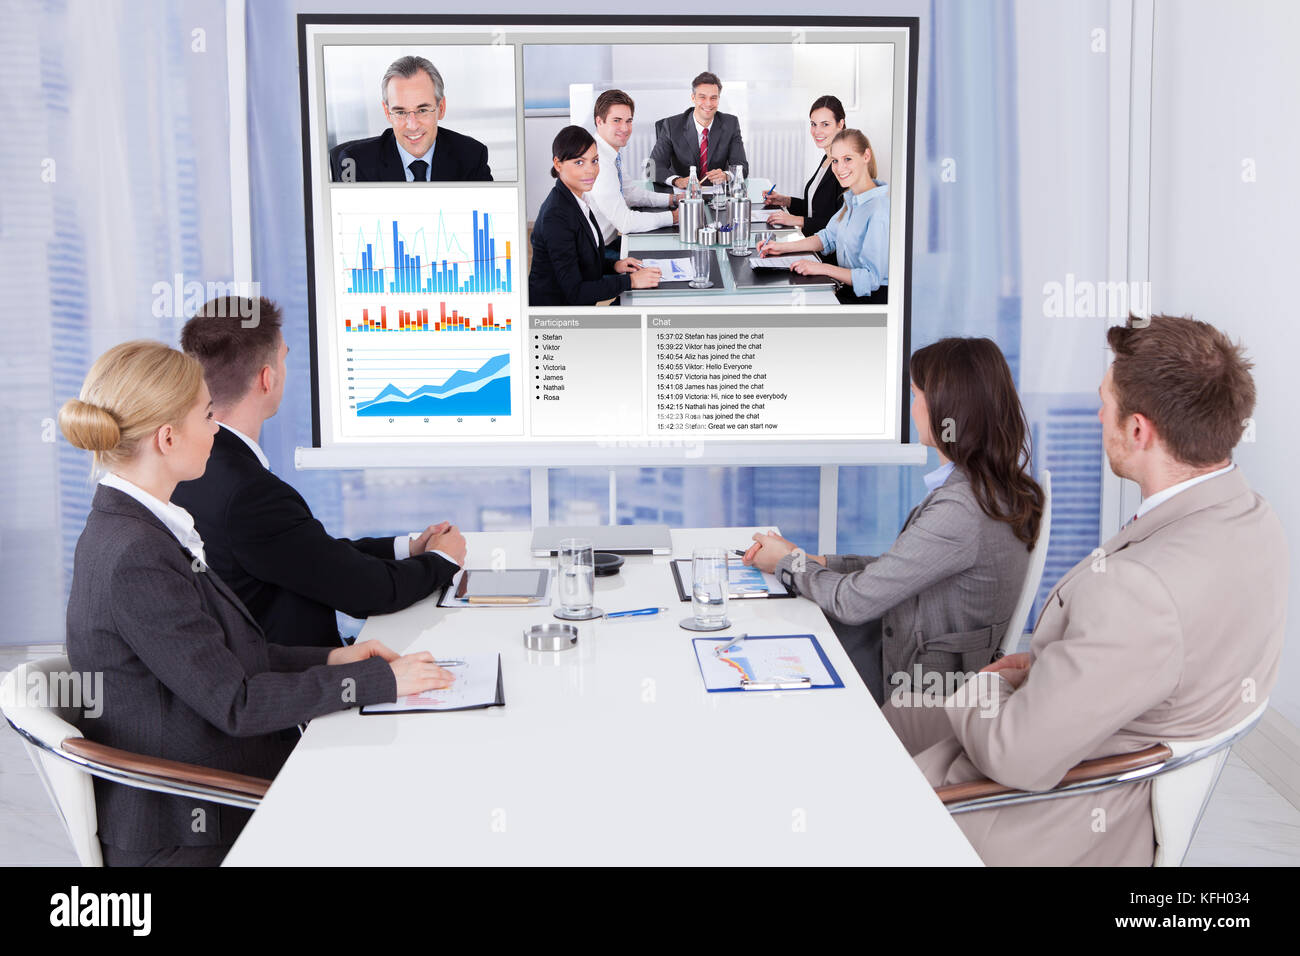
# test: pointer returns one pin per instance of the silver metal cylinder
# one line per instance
(690, 217)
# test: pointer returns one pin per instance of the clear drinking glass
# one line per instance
(702, 260)
(577, 576)
(709, 586)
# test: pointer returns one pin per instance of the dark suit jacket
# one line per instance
(260, 536)
(456, 158)
(187, 675)
(677, 145)
(824, 203)
(568, 267)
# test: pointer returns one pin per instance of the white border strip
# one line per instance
(241, 224)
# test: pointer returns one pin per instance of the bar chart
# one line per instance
(464, 246)
(426, 328)
(418, 320)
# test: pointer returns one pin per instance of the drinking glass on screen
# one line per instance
(577, 576)
(709, 586)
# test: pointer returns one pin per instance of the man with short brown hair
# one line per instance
(1172, 630)
(259, 534)
(616, 188)
(702, 136)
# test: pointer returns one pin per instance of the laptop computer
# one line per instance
(614, 538)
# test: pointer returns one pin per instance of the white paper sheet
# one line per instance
(673, 270)
(475, 686)
(778, 262)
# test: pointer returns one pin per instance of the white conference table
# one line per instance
(611, 753)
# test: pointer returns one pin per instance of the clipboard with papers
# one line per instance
(767, 662)
(743, 581)
(478, 685)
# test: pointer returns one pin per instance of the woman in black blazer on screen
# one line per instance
(187, 673)
(569, 265)
(822, 193)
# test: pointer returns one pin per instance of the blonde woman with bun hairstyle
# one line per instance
(187, 673)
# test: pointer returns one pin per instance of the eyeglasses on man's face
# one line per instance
(424, 112)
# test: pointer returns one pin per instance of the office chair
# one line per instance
(65, 760)
(1183, 775)
(1033, 574)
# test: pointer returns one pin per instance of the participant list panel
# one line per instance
(802, 375)
(585, 377)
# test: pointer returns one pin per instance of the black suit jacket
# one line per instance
(260, 536)
(677, 145)
(456, 158)
(825, 202)
(568, 267)
(187, 675)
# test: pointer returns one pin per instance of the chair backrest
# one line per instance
(1179, 797)
(44, 723)
(1033, 574)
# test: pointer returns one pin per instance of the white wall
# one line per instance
(1224, 248)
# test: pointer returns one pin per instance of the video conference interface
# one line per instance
(529, 234)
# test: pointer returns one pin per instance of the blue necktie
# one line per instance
(618, 167)
(419, 170)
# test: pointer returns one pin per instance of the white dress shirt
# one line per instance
(177, 519)
(1160, 497)
(610, 203)
(587, 214)
(407, 159)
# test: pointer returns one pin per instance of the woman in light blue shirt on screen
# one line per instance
(858, 234)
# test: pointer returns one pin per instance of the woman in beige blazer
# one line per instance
(939, 601)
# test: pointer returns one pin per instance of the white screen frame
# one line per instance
(315, 30)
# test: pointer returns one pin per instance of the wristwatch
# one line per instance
(785, 575)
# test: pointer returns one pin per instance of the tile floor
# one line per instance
(1248, 823)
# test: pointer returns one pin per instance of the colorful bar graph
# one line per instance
(409, 275)
(418, 321)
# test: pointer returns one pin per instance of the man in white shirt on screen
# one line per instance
(617, 188)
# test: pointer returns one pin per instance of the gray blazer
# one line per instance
(944, 593)
(188, 675)
(677, 145)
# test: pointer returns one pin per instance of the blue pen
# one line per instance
(769, 192)
(639, 612)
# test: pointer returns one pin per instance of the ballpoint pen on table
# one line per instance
(726, 646)
(450, 663)
(639, 612)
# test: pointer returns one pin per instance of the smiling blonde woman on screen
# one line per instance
(188, 675)
(858, 234)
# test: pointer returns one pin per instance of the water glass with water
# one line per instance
(709, 587)
(577, 576)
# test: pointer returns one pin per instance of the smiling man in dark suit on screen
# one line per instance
(416, 148)
(702, 136)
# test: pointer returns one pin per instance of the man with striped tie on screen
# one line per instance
(703, 137)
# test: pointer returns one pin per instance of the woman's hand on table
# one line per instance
(360, 651)
(419, 672)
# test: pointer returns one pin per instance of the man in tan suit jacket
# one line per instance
(1172, 630)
